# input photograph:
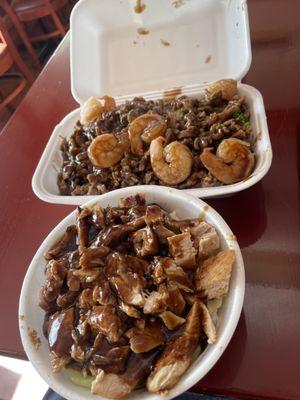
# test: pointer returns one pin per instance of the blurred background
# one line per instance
(30, 30)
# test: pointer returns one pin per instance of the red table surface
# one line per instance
(263, 357)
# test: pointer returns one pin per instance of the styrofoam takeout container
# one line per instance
(32, 317)
(209, 40)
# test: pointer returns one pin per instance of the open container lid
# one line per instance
(189, 42)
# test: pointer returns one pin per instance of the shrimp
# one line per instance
(105, 150)
(228, 88)
(93, 108)
(172, 164)
(232, 162)
(145, 128)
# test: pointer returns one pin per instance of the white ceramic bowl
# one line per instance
(186, 206)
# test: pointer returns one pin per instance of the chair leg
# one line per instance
(15, 54)
(55, 18)
(8, 106)
(20, 29)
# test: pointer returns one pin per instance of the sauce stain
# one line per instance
(134, 42)
(21, 317)
(165, 42)
(202, 215)
(33, 336)
(139, 7)
(142, 31)
(232, 237)
(172, 93)
(178, 3)
(208, 59)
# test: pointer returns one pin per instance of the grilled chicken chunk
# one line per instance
(177, 355)
(145, 242)
(212, 278)
(145, 338)
(182, 250)
(171, 320)
(115, 386)
(105, 320)
(205, 238)
(208, 325)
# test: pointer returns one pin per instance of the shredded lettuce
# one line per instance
(240, 116)
(77, 378)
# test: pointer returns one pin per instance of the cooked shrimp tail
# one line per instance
(106, 150)
(145, 128)
(93, 108)
(172, 164)
(232, 163)
(227, 87)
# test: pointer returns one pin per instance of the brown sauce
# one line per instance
(33, 336)
(139, 7)
(172, 93)
(208, 59)
(165, 42)
(143, 31)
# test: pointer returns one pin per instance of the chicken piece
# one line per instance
(154, 214)
(212, 278)
(77, 353)
(65, 244)
(83, 331)
(213, 306)
(132, 201)
(137, 223)
(105, 319)
(145, 242)
(129, 288)
(179, 225)
(205, 238)
(85, 300)
(49, 292)
(66, 299)
(158, 273)
(175, 301)
(103, 294)
(176, 275)
(177, 355)
(137, 265)
(112, 234)
(162, 232)
(89, 274)
(73, 281)
(58, 363)
(182, 250)
(190, 298)
(110, 358)
(97, 216)
(93, 257)
(113, 386)
(120, 264)
(60, 332)
(82, 225)
(208, 243)
(171, 320)
(207, 325)
(135, 213)
(156, 302)
(145, 339)
(129, 310)
(114, 215)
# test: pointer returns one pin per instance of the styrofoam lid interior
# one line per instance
(188, 42)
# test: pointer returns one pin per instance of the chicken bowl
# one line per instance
(136, 294)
